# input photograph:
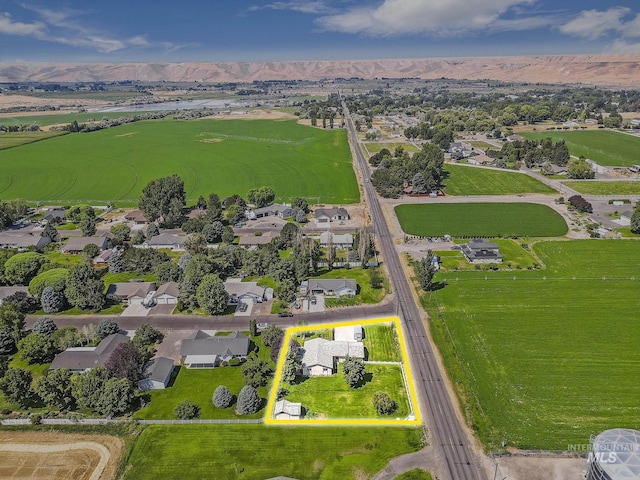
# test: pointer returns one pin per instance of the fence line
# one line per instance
(104, 421)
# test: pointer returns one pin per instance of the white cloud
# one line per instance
(621, 46)
(593, 24)
(302, 6)
(442, 17)
(9, 27)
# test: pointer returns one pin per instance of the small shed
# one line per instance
(285, 410)
(358, 333)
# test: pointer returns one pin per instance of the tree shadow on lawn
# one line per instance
(368, 377)
(435, 286)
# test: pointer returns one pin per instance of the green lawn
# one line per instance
(622, 187)
(198, 386)
(366, 294)
(481, 219)
(415, 474)
(514, 257)
(544, 360)
(257, 452)
(331, 397)
(123, 277)
(483, 181)
(222, 156)
(8, 140)
(605, 147)
(381, 343)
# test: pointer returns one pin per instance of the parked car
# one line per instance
(262, 325)
(285, 314)
(239, 224)
(243, 307)
(314, 300)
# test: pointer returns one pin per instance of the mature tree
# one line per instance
(51, 232)
(55, 278)
(22, 267)
(353, 371)
(375, 278)
(261, 197)
(289, 233)
(36, 348)
(253, 327)
(291, 366)
(235, 213)
(24, 302)
(75, 213)
(90, 251)
(16, 385)
(7, 344)
(116, 397)
(635, 219)
(270, 333)
(193, 225)
(201, 203)
(115, 262)
(196, 244)
(425, 271)
(276, 346)
(168, 272)
(580, 169)
(579, 203)
(163, 199)
(152, 230)
(87, 387)
(183, 261)
(55, 389)
(87, 225)
(214, 209)
(121, 232)
(222, 397)
(124, 362)
(12, 319)
(65, 337)
(212, 296)
(249, 401)
(107, 327)
(299, 216)
(256, 372)
(143, 260)
(419, 183)
(187, 410)
(52, 301)
(213, 231)
(384, 404)
(147, 335)
(300, 203)
(45, 326)
(85, 288)
(227, 235)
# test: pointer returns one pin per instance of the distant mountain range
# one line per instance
(622, 70)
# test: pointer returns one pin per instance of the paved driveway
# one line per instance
(135, 311)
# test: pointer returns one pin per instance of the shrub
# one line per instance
(384, 404)
(187, 410)
(222, 397)
(234, 362)
(107, 327)
(580, 204)
(52, 301)
(45, 326)
(249, 401)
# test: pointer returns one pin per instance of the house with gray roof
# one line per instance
(201, 350)
(330, 287)
(338, 240)
(328, 215)
(320, 356)
(167, 294)
(240, 291)
(133, 293)
(22, 240)
(83, 359)
(252, 240)
(75, 245)
(8, 291)
(281, 210)
(55, 215)
(285, 410)
(157, 374)
(479, 250)
(166, 240)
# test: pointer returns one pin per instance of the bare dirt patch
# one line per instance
(55, 455)
(540, 468)
(258, 114)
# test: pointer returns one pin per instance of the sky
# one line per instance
(270, 30)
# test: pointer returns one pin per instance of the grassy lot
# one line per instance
(198, 386)
(545, 360)
(8, 140)
(123, 277)
(513, 255)
(376, 147)
(482, 145)
(481, 220)
(623, 187)
(366, 294)
(415, 474)
(115, 164)
(626, 232)
(331, 397)
(482, 181)
(605, 147)
(381, 343)
(256, 452)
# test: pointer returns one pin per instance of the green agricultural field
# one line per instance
(463, 180)
(544, 360)
(8, 140)
(381, 343)
(481, 220)
(222, 156)
(622, 187)
(605, 147)
(256, 452)
(331, 397)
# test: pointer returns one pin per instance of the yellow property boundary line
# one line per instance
(268, 420)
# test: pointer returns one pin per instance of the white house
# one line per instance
(133, 293)
(338, 240)
(158, 374)
(281, 210)
(338, 287)
(201, 350)
(328, 215)
(321, 357)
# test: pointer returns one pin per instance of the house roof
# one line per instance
(81, 359)
(273, 208)
(55, 214)
(8, 291)
(263, 239)
(320, 351)
(479, 248)
(332, 284)
(336, 238)
(170, 288)
(481, 244)
(76, 244)
(136, 216)
(290, 408)
(22, 239)
(130, 289)
(331, 212)
(160, 369)
(204, 344)
(235, 287)
(167, 239)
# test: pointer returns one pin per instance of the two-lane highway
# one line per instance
(447, 435)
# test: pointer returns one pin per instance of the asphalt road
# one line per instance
(447, 435)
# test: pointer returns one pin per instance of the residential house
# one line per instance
(133, 293)
(251, 240)
(136, 216)
(82, 359)
(328, 215)
(157, 375)
(285, 410)
(338, 240)
(75, 245)
(55, 215)
(320, 356)
(23, 240)
(558, 169)
(167, 294)
(479, 250)
(102, 259)
(338, 287)
(350, 333)
(166, 240)
(8, 291)
(201, 350)
(247, 292)
(281, 210)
